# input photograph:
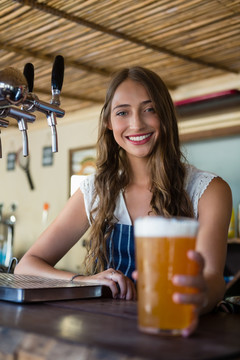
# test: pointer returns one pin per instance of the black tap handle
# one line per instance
(57, 73)
(28, 72)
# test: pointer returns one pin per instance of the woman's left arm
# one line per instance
(214, 208)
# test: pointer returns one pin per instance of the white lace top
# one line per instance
(196, 182)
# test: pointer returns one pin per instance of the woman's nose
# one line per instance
(136, 121)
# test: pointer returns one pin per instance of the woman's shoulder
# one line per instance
(196, 182)
(195, 176)
(86, 183)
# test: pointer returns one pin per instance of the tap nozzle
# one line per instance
(52, 122)
(3, 123)
(22, 125)
(22, 118)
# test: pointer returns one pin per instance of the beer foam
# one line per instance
(158, 226)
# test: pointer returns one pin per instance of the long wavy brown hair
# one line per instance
(113, 172)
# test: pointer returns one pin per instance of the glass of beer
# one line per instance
(161, 252)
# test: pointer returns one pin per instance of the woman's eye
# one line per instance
(121, 113)
(150, 109)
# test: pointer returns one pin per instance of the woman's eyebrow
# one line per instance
(127, 105)
(146, 102)
(120, 106)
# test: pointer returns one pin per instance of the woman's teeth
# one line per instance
(139, 138)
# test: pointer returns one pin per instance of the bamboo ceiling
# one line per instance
(184, 41)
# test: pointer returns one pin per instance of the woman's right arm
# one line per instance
(56, 241)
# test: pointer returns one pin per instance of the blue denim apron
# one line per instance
(120, 249)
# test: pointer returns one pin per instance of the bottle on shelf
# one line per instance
(238, 221)
(45, 214)
(231, 229)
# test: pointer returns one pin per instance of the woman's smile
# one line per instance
(139, 139)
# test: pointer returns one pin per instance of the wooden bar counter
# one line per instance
(106, 329)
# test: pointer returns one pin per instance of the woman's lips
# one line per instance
(139, 139)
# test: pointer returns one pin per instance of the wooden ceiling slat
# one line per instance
(153, 31)
(206, 35)
(168, 21)
(48, 58)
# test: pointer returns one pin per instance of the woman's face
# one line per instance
(133, 120)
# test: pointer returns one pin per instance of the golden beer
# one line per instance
(161, 255)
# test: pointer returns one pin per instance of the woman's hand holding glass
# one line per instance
(197, 297)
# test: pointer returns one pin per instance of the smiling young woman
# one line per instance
(140, 172)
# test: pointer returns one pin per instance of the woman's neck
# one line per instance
(137, 193)
(140, 174)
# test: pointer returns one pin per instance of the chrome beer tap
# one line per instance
(51, 110)
(57, 81)
(13, 91)
(16, 89)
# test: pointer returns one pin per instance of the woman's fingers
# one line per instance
(190, 281)
(199, 300)
(126, 287)
(102, 280)
(118, 279)
(197, 258)
(194, 290)
(120, 285)
(135, 275)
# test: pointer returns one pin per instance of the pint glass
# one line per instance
(161, 252)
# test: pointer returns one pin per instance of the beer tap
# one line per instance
(16, 89)
(13, 91)
(57, 81)
(51, 110)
